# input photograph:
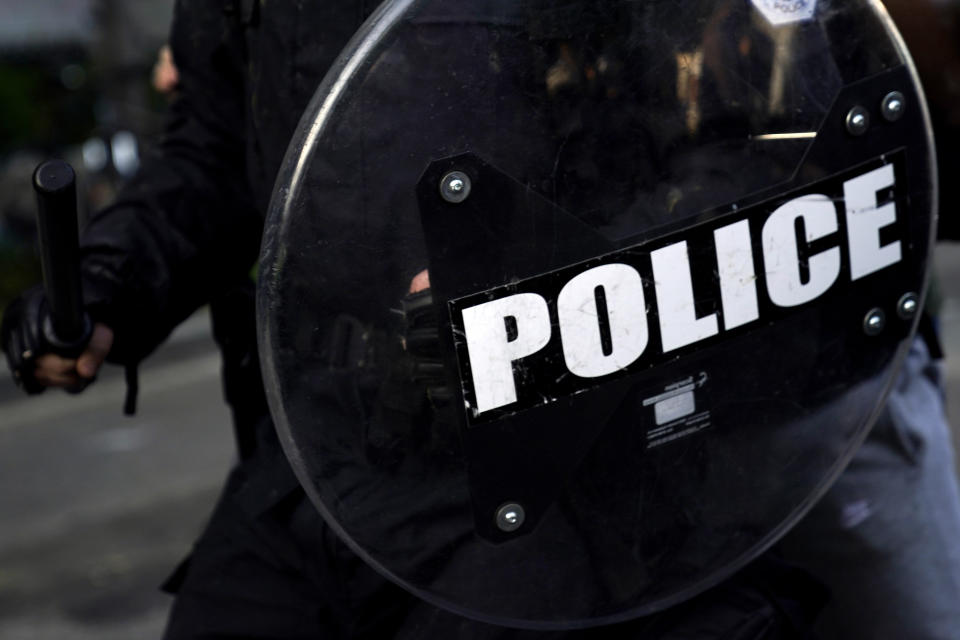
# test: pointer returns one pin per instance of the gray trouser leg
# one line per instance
(886, 538)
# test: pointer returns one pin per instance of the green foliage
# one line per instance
(19, 269)
(37, 111)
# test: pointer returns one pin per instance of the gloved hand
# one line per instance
(21, 336)
(421, 339)
(32, 362)
(413, 407)
(422, 343)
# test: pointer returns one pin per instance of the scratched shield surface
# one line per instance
(569, 309)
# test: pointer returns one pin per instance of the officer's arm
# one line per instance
(187, 221)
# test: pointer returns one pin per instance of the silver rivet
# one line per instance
(874, 322)
(455, 187)
(858, 120)
(907, 306)
(510, 517)
(27, 354)
(893, 106)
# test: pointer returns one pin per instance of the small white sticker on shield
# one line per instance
(674, 408)
(781, 12)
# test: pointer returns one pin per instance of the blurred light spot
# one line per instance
(126, 158)
(94, 155)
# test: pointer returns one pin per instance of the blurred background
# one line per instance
(96, 508)
(74, 83)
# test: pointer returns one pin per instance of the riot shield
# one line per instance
(570, 308)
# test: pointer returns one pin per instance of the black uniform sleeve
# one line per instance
(187, 223)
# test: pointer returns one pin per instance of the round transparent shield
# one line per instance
(570, 309)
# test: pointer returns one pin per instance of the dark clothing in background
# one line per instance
(186, 232)
(931, 30)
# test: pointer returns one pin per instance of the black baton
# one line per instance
(66, 327)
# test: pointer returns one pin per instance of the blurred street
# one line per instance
(97, 507)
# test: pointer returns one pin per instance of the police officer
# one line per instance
(185, 232)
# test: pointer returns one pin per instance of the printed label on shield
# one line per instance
(561, 333)
(780, 12)
(679, 410)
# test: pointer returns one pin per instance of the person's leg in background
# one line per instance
(886, 537)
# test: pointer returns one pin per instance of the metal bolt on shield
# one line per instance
(455, 187)
(874, 322)
(892, 106)
(858, 120)
(510, 517)
(907, 306)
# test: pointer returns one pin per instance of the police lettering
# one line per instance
(602, 316)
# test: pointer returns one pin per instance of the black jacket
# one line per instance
(188, 226)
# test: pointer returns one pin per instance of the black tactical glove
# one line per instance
(422, 343)
(412, 409)
(22, 339)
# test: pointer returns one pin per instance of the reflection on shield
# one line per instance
(569, 308)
